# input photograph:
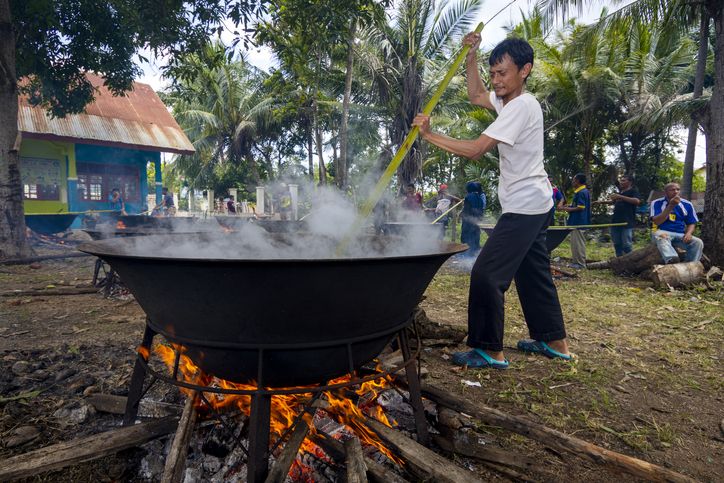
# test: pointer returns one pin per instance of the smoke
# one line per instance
(317, 237)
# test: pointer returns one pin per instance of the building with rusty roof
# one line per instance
(72, 164)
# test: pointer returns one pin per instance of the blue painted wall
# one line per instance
(86, 153)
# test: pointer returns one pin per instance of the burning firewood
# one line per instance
(356, 467)
(425, 462)
(176, 460)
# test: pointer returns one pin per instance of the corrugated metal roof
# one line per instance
(138, 120)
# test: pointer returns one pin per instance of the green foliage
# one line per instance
(58, 41)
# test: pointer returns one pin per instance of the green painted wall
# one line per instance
(65, 154)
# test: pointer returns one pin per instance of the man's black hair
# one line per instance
(519, 51)
(629, 177)
(581, 178)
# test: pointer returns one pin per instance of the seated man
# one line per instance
(674, 221)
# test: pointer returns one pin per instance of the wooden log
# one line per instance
(289, 453)
(677, 274)
(84, 449)
(505, 462)
(637, 261)
(112, 404)
(49, 292)
(555, 439)
(173, 471)
(375, 471)
(436, 330)
(27, 260)
(424, 461)
(356, 467)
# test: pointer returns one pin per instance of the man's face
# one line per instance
(410, 190)
(672, 191)
(506, 78)
(576, 184)
(624, 183)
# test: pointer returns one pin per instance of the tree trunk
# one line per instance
(342, 163)
(677, 274)
(318, 142)
(637, 261)
(688, 177)
(310, 153)
(13, 243)
(712, 232)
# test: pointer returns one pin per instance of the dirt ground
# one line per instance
(647, 383)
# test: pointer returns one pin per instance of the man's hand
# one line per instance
(473, 40)
(687, 238)
(615, 197)
(423, 122)
(674, 201)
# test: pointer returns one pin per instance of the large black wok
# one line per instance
(48, 224)
(272, 226)
(301, 312)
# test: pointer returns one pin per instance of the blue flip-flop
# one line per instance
(540, 347)
(478, 358)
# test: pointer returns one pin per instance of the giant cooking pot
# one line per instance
(302, 317)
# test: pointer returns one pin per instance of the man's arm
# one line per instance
(689, 232)
(468, 148)
(477, 93)
(662, 217)
(626, 199)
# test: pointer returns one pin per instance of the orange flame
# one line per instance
(120, 225)
(285, 408)
(143, 351)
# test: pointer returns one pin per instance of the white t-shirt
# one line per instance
(523, 186)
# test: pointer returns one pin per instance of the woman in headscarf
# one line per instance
(473, 209)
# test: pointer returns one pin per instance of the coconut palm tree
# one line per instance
(223, 110)
(406, 58)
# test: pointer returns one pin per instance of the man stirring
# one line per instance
(516, 249)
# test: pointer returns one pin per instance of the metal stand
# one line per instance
(260, 417)
(413, 384)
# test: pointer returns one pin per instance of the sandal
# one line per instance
(478, 358)
(540, 347)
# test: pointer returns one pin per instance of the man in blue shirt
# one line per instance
(579, 214)
(674, 221)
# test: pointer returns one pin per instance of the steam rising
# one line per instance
(330, 219)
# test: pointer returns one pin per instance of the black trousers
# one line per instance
(515, 249)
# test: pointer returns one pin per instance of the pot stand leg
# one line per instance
(258, 465)
(423, 437)
(135, 391)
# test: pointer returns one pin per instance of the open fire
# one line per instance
(345, 406)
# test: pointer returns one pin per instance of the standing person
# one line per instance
(579, 213)
(473, 210)
(412, 200)
(674, 221)
(624, 211)
(167, 206)
(558, 200)
(116, 202)
(440, 203)
(517, 246)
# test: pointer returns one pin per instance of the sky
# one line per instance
(493, 33)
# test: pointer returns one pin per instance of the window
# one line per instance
(96, 181)
(40, 178)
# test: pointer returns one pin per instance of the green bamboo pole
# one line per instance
(572, 227)
(386, 177)
(446, 212)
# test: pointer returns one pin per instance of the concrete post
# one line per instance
(159, 180)
(192, 200)
(210, 200)
(259, 200)
(233, 192)
(294, 195)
